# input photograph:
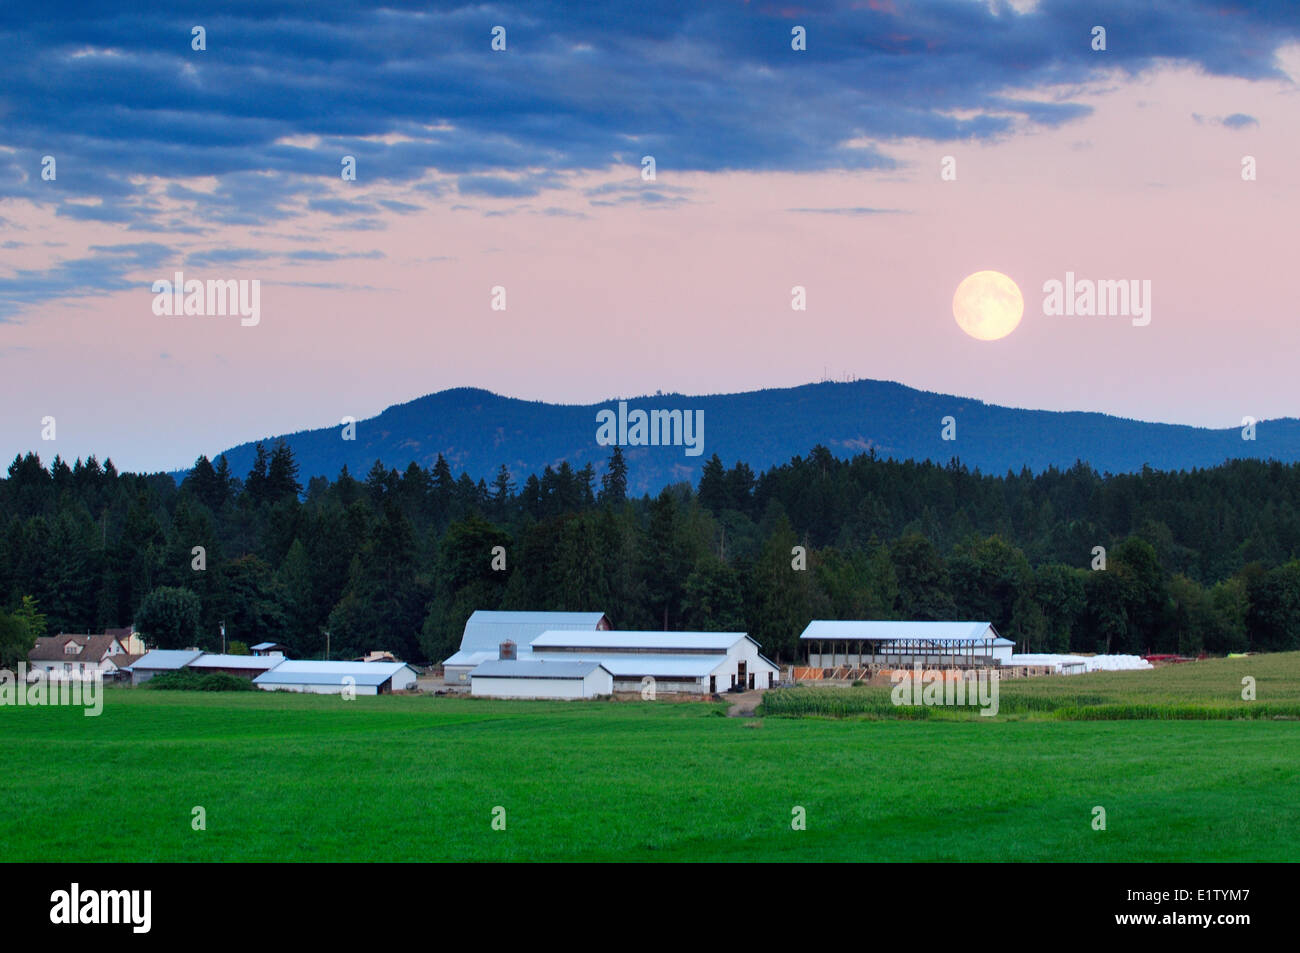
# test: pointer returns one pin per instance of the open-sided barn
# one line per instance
(835, 644)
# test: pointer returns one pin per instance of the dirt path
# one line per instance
(743, 704)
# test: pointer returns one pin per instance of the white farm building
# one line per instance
(537, 678)
(331, 678)
(486, 630)
(161, 660)
(694, 662)
(833, 644)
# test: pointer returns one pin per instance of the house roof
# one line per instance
(165, 659)
(488, 629)
(536, 668)
(258, 662)
(886, 631)
(123, 660)
(661, 641)
(263, 646)
(53, 648)
(305, 672)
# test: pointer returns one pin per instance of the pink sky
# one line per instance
(624, 300)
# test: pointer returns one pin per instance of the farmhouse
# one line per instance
(331, 678)
(161, 660)
(853, 645)
(541, 678)
(76, 656)
(697, 662)
(485, 631)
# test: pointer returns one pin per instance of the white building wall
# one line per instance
(747, 652)
(531, 687)
(319, 689)
(457, 676)
(694, 686)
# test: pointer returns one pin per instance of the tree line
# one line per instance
(1201, 560)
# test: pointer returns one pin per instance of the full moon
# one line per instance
(987, 305)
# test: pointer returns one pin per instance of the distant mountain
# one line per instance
(477, 431)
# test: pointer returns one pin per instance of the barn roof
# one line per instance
(479, 657)
(166, 659)
(303, 672)
(886, 631)
(537, 668)
(662, 641)
(213, 660)
(488, 629)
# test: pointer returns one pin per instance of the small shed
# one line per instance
(269, 648)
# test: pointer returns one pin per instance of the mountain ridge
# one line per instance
(477, 430)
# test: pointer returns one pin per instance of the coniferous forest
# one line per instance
(1199, 561)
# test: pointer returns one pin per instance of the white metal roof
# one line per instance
(488, 629)
(263, 645)
(166, 659)
(262, 662)
(884, 631)
(478, 658)
(536, 668)
(663, 641)
(305, 672)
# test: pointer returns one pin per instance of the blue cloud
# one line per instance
(414, 92)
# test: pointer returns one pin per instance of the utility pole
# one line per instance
(223, 638)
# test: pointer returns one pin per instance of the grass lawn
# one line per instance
(293, 777)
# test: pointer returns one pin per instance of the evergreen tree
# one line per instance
(613, 484)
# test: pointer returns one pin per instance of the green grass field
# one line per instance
(291, 777)
(1211, 689)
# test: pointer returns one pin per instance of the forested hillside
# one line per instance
(1198, 560)
(476, 431)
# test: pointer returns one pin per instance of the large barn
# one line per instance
(486, 630)
(694, 662)
(833, 644)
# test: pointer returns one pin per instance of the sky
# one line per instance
(907, 146)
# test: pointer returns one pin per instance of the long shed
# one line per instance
(540, 678)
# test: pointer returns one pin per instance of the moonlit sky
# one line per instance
(522, 169)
